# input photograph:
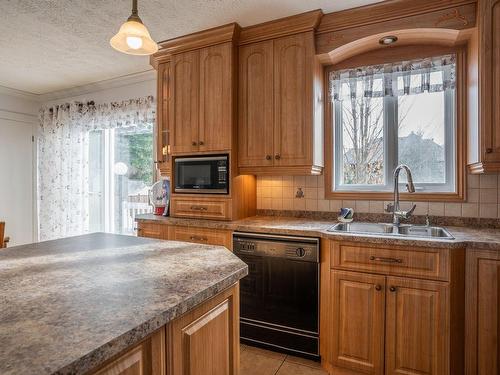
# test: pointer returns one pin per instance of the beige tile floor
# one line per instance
(256, 361)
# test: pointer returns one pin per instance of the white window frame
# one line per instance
(391, 149)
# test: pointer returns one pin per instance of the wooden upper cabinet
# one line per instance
(293, 111)
(485, 141)
(184, 108)
(489, 58)
(196, 75)
(358, 313)
(161, 130)
(278, 132)
(216, 98)
(417, 331)
(256, 104)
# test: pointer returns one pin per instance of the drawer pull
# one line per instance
(392, 288)
(386, 260)
(198, 238)
(198, 208)
(378, 287)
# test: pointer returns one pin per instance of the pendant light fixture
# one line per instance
(133, 37)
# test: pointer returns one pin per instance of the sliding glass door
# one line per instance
(121, 170)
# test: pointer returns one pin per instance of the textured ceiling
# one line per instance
(49, 45)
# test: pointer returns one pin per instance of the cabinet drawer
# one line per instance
(201, 235)
(198, 208)
(427, 263)
(158, 231)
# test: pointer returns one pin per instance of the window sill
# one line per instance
(388, 196)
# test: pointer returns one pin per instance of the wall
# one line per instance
(18, 118)
(278, 193)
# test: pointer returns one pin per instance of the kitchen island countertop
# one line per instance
(69, 305)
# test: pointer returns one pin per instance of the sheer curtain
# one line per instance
(63, 159)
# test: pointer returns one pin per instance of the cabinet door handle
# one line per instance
(268, 157)
(386, 260)
(198, 208)
(489, 150)
(378, 287)
(277, 156)
(198, 238)
(201, 143)
(194, 143)
(392, 288)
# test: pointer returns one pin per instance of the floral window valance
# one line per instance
(90, 116)
(432, 74)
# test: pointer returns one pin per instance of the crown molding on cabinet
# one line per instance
(205, 38)
(295, 24)
(383, 11)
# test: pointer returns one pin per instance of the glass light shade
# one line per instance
(133, 38)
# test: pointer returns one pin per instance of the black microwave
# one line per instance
(202, 174)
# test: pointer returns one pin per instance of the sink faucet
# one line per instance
(397, 213)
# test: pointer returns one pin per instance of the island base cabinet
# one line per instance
(483, 313)
(147, 358)
(205, 341)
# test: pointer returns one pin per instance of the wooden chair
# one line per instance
(3, 239)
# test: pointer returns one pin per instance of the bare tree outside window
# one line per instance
(363, 130)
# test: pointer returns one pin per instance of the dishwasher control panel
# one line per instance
(289, 247)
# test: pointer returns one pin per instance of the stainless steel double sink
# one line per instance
(403, 230)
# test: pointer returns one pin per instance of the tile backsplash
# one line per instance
(279, 193)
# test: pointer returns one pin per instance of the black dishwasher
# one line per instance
(279, 307)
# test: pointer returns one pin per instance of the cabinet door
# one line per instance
(216, 99)
(255, 143)
(148, 357)
(417, 333)
(161, 129)
(183, 114)
(293, 116)
(489, 60)
(205, 341)
(358, 305)
(483, 313)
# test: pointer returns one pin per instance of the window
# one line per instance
(120, 173)
(390, 114)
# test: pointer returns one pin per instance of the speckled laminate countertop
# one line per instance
(68, 305)
(464, 237)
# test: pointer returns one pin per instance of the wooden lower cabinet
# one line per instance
(483, 313)
(150, 230)
(384, 324)
(358, 306)
(204, 341)
(148, 357)
(417, 331)
(207, 236)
